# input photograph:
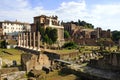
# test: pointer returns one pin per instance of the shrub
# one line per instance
(70, 45)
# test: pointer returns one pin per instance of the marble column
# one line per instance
(38, 41)
(26, 40)
(30, 45)
(50, 21)
(19, 40)
(34, 40)
(23, 39)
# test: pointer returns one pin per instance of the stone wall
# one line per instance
(69, 55)
(108, 62)
(52, 55)
(33, 61)
(65, 56)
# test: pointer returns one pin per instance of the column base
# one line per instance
(24, 46)
(30, 47)
(38, 49)
(27, 47)
(34, 49)
(21, 46)
(18, 45)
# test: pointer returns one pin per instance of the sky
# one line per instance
(101, 13)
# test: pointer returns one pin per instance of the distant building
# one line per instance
(13, 28)
(10, 29)
(80, 32)
(82, 35)
(70, 27)
(45, 21)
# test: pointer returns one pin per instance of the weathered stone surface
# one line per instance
(32, 61)
(13, 76)
(0, 63)
(36, 73)
(109, 62)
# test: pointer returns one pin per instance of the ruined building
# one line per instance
(82, 35)
(45, 21)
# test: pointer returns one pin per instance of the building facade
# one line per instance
(12, 28)
(46, 21)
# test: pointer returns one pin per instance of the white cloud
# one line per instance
(111, 9)
(99, 15)
(22, 10)
(107, 16)
(72, 10)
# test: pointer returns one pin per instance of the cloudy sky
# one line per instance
(101, 13)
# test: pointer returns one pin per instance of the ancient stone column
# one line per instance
(19, 40)
(30, 45)
(50, 22)
(23, 39)
(34, 40)
(38, 45)
(26, 40)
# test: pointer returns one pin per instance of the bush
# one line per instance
(3, 44)
(70, 45)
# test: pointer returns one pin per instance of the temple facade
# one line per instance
(29, 40)
(45, 21)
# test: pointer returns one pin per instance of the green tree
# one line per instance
(49, 35)
(116, 36)
(42, 32)
(66, 34)
(53, 35)
(3, 44)
(48, 30)
(46, 38)
(70, 45)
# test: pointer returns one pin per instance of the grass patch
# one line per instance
(10, 54)
(55, 76)
(66, 51)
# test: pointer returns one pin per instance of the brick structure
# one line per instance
(81, 32)
(70, 27)
(45, 21)
(86, 36)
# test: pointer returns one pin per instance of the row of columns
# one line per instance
(29, 40)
